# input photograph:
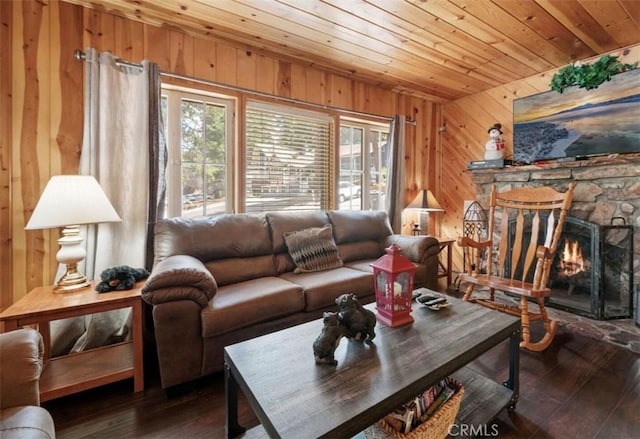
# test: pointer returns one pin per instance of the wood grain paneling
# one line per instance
(440, 50)
(6, 123)
(46, 99)
(32, 159)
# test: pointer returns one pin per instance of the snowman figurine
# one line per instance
(494, 148)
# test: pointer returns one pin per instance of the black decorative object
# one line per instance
(474, 224)
(328, 340)
(120, 278)
(352, 321)
(358, 322)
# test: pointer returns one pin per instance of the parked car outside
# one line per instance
(348, 190)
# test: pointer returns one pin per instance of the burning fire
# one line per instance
(572, 261)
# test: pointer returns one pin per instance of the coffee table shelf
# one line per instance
(482, 401)
(293, 397)
(483, 398)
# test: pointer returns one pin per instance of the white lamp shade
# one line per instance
(426, 202)
(72, 200)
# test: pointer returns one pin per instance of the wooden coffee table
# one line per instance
(294, 397)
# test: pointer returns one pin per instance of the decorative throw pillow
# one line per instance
(313, 249)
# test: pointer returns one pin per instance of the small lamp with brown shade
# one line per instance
(424, 202)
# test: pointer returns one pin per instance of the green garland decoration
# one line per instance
(589, 76)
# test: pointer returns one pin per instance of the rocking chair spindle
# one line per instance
(525, 225)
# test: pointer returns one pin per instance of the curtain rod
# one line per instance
(80, 55)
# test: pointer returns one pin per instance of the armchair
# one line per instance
(21, 417)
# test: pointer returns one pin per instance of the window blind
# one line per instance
(288, 157)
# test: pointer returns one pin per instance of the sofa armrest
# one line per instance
(179, 277)
(21, 353)
(416, 248)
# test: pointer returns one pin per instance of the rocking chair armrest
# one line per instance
(465, 241)
(543, 252)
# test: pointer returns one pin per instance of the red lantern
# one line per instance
(393, 277)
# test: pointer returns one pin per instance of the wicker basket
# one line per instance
(436, 427)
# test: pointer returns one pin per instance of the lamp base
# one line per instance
(71, 280)
(71, 253)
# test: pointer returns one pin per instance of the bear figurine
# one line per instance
(120, 278)
(328, 340)
(358, 322)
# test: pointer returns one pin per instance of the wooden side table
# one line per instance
(92, 368)
(445, 271)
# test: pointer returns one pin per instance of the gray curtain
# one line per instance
(115, 152)
(123, 148)
(394, 199)
(157, 161)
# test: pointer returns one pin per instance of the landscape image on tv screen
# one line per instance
(579, 122)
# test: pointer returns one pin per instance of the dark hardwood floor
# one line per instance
(578, 388)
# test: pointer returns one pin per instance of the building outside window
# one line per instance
(363, 165)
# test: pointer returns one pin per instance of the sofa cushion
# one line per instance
(321, 288)
(355, 251)
(246, 303)
(213, 237)
(359, 225)
(313, 249)
(283, 222)
(233, 270)
(363, 265)
(283, 263)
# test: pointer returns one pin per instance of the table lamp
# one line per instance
(69, 201)
(424, 202)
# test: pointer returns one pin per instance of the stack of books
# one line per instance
(413, 413)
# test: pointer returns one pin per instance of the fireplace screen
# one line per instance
(592, 272)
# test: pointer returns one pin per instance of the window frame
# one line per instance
(175, 95)
(367, 126)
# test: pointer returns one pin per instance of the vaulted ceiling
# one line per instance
(439, 49)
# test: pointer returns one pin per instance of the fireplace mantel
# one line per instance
(607, 190)
(614, 160)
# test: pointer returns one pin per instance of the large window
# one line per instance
(363, 166)
(288, 156)
(199, 139)
(287, 162)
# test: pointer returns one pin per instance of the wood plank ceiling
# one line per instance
(437, 49)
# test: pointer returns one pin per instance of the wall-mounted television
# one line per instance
(579, 123)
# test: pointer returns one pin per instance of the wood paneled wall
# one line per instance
(466, 122)
(42, 116)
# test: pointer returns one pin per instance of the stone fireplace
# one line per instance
(598, 258)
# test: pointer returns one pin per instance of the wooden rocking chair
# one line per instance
(528, 220)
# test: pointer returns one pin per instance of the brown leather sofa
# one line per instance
(227, 278)
(21, 416)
